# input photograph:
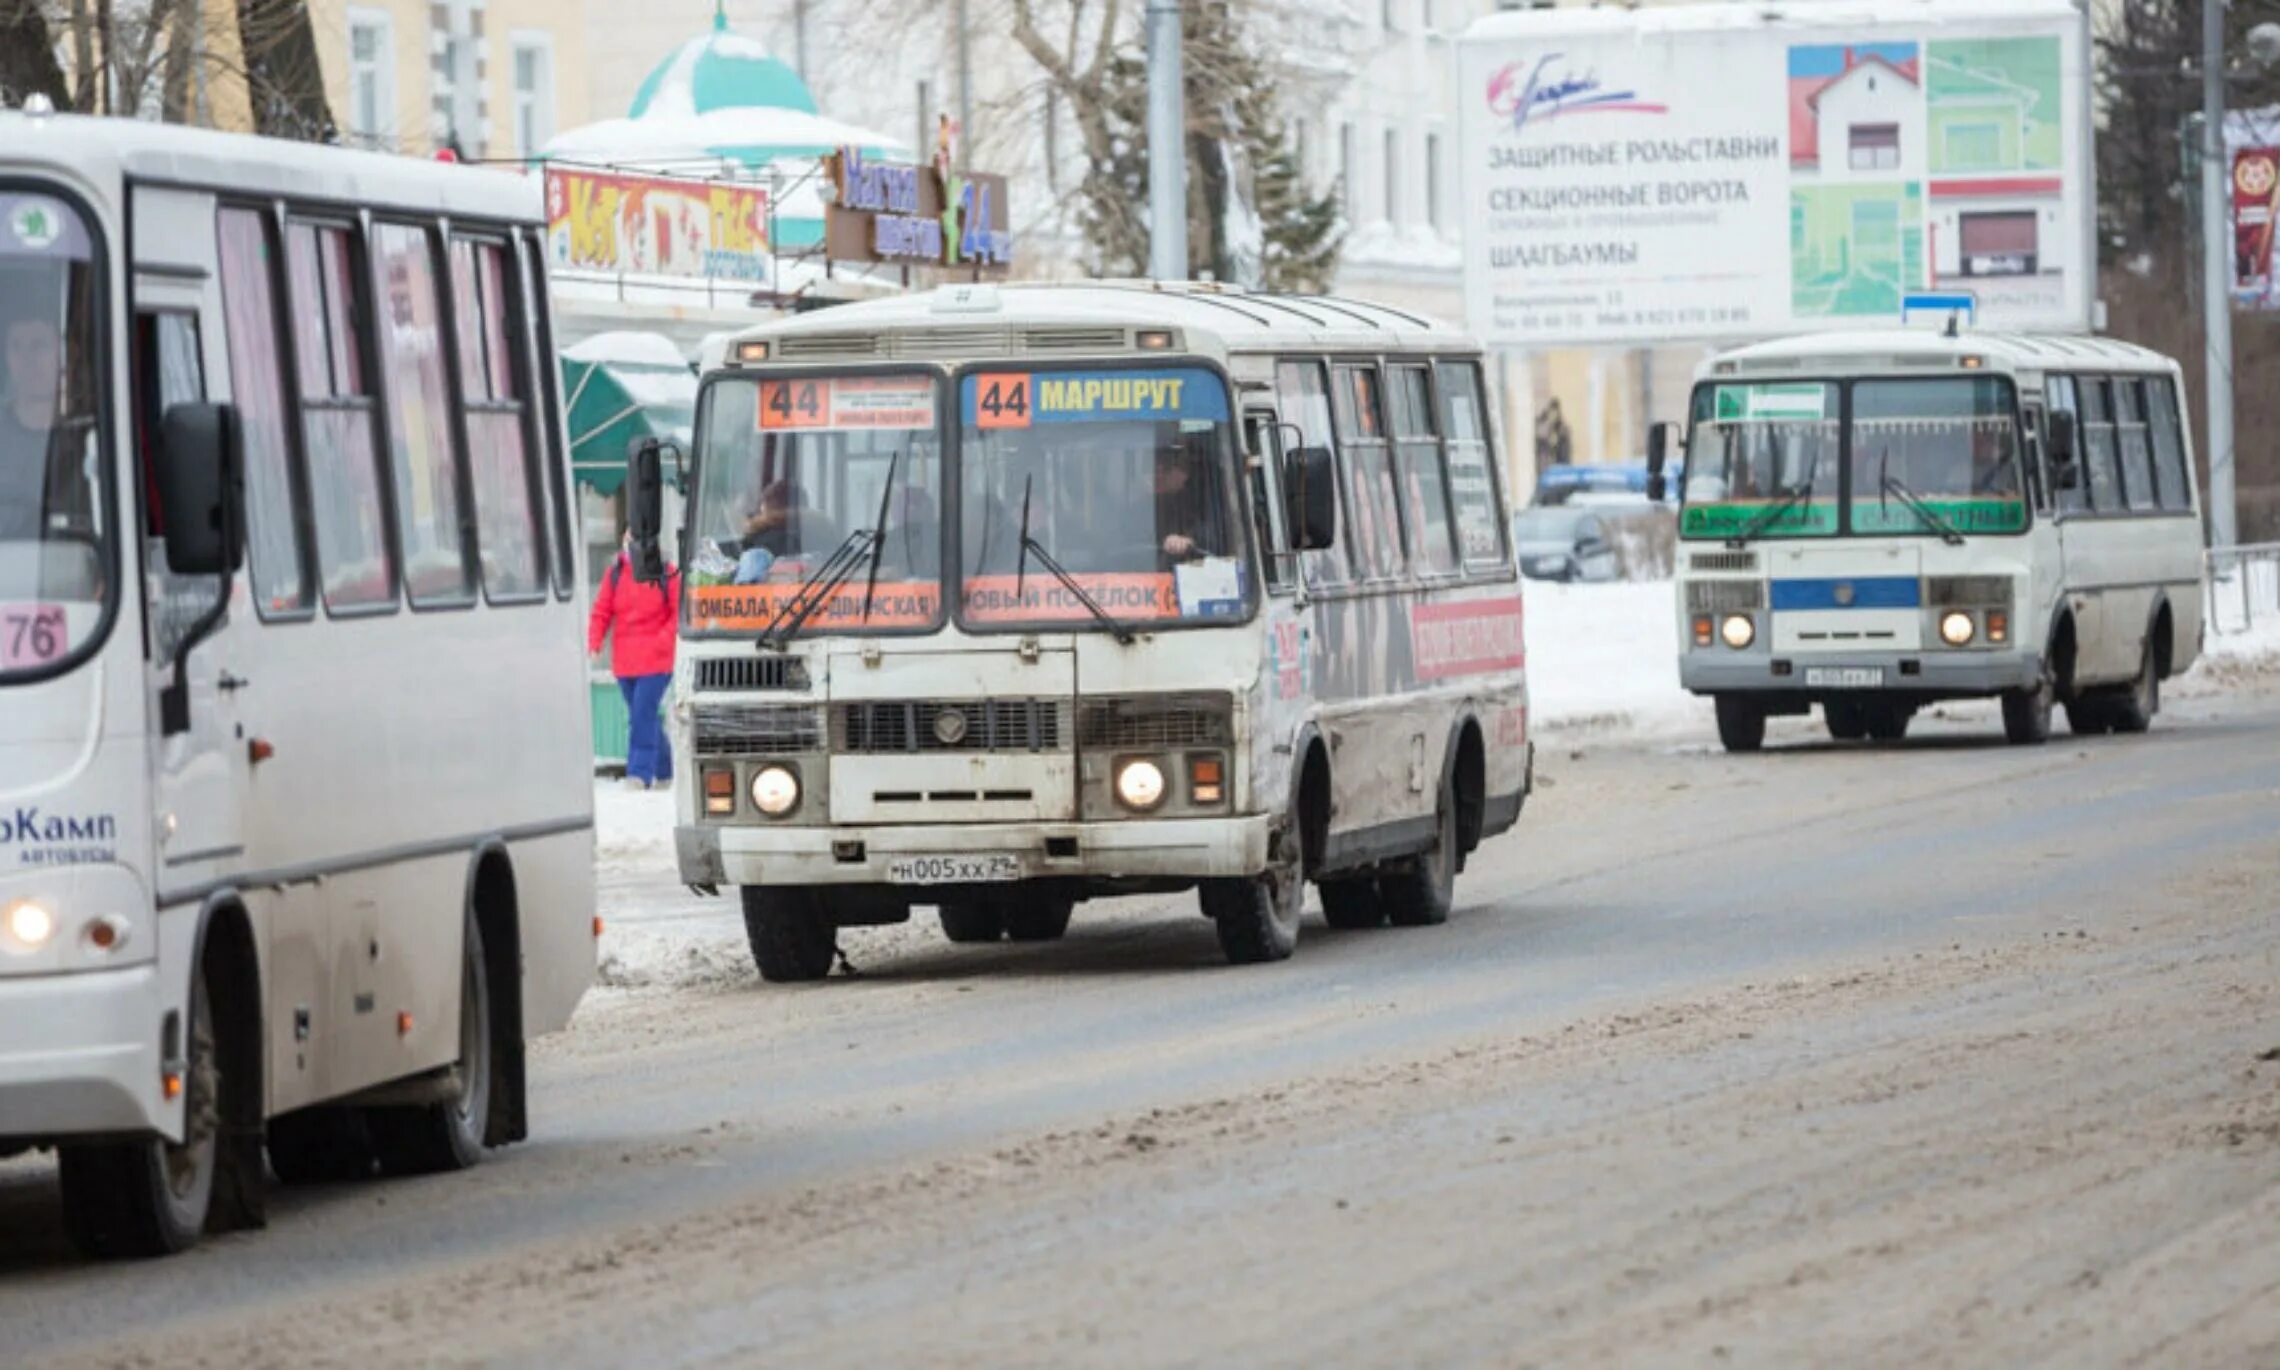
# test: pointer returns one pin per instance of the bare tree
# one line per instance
(150, 58)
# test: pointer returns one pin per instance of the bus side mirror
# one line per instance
(645, 507)
(199, 490)
(2064, 472)
(1658, 456)
(1311, 481)
(198, 475)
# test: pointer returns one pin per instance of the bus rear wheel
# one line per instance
(1741, 723)
(2131, 709)
(1420, 896)
(792, 936)
(151, 1198)
(429, 1139)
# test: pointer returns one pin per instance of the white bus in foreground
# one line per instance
(1875, 521)
(1003, 599)
(295, 812)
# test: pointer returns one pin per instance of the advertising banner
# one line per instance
(656, 226)
(2256, 207)
(1704, 172)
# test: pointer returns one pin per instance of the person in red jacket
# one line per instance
(641, 622)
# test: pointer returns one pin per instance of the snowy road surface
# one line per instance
(1944, 1053)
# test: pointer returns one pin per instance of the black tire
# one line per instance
(1038, 920)
(792, 938)
(1846, 719)
(1420, 895)
(152, 1198)
(430, 1139)
(974, 922)
(1741, 723)
(2131, 710)
(1257, 916)
(321, 1145)
(2026, 713)
(1889, 722)
(1351, 905)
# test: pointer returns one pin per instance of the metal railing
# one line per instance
(2243, 587)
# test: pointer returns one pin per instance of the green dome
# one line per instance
(720, 70)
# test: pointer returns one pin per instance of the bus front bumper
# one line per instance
(1926, 674)
(79, 1053)
(1172, 848)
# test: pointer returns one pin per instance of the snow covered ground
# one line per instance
(1602, 665)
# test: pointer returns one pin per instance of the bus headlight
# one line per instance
(1140, 784)
(29, 926)
(1738, 631)
(1955, 628)
(775, 790)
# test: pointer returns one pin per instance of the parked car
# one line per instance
(1563, 542)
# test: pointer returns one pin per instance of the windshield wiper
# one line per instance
(1765, 519)
(1116, 626)
(1890, 484)
(879, 537)
(816, 590)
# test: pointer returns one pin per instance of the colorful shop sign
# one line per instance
(908, 215)
(655, 225)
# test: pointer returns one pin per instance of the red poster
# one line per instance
(1471, 637)
(2256, 206)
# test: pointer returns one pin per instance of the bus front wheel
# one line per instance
(793, 937)
(150, 1198)
(1257, 916)
(1741, 723)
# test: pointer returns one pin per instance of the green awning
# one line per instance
(618, 388)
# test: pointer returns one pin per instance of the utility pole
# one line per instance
(799, 40)
(2216, 267)
(965, 85)
(1167, 145)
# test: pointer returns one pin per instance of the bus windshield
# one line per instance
(54, 548)
(1761, 461)
(1947, 447)
(1110, 485)
(793, 475)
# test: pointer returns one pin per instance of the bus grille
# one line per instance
(992, 725)
(1723, 596)
(1969, 592)
(756, 729)
(1147, 723)
(751, 673)
(1722, 561)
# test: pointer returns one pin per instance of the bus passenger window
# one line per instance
(279, 574)
(423, 454)
(1424, 480)
(2103, 476)
(2169, 462)
(2134, 444)
(1376, 543)
(510, 540)
(540, 335)
(1302, 397)
(338, 444)
(1472, 477)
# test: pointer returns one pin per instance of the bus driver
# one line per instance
(32, 364)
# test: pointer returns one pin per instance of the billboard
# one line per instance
(1721, 171)
(656, 225)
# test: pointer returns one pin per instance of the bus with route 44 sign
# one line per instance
(999, 600)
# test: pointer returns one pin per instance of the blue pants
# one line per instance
(647, 757)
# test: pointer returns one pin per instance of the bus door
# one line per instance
(179, 355)
(1287, 619)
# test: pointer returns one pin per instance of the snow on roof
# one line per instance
(720, 70)
(750, 136)
(628, 347)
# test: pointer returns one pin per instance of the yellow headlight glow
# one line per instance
(1955, 628)
(30, 925)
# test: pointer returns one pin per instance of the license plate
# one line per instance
(953, 870)
(1845, 677)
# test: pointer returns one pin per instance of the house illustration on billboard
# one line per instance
(1856, 112)
(1993, 118)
